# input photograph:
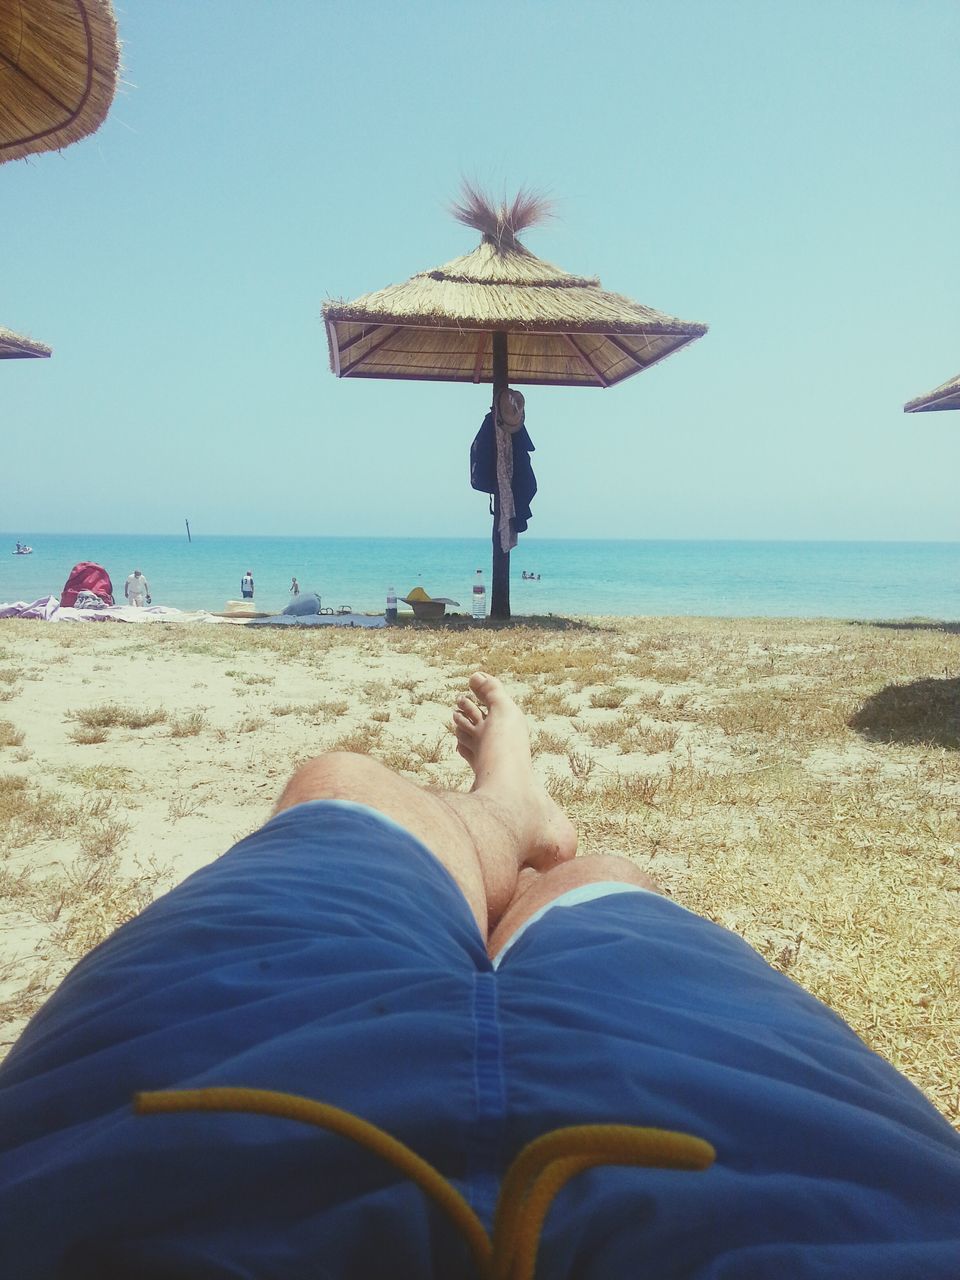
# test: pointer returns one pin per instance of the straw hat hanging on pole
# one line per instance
(500, 314)
(58, 72)
(946, 396)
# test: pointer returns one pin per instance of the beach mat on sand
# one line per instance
(320, 620)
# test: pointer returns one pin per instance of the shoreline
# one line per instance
(796, 780)
(462, 620)
(599, 578)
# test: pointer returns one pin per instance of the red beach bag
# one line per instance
(86, 576)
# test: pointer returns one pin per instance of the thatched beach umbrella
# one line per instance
(58, 75)
(15, 347)
(500, 314)
(58, 72)
(946, 396)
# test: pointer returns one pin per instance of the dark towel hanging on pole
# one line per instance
(483, 469)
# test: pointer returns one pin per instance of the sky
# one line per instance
(787, 174)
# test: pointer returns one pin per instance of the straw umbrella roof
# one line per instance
(564, 330)
(946, 396)
(15, 347)
(58, 72)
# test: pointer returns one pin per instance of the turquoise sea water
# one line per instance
(730, 579)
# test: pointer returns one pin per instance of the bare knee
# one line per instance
(538, 889)
(596, 867)
(335, 775)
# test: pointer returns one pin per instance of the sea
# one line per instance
(869, 580)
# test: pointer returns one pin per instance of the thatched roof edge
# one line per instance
(14, 346)
(516, 379)
(946, 391)
(95, 55)
(471, 365)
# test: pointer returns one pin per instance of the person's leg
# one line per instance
(539, 882)
(536, 890)
(483, 837)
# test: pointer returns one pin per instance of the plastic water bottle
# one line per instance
(479, 597)
(391, 610)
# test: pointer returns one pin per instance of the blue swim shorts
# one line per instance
(330, 955)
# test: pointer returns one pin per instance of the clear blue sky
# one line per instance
(786, 173)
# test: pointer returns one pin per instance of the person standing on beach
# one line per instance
(246, 585)
(294, 587)
(137, 589)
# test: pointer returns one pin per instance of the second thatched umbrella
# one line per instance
(500, 314)
(946, 396)
(13, 346)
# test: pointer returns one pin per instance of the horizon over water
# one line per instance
(723, 578)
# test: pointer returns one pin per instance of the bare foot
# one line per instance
(497, 747)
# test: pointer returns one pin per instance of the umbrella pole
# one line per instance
(500, 577)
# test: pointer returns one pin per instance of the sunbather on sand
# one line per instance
(441, 965)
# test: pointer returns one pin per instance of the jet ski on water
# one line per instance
(22, 550)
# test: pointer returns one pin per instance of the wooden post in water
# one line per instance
(500, 578)
(187, 523)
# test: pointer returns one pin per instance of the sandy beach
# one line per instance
(797, 782)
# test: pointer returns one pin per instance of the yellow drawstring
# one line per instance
(546, 1164)
(529, 1186)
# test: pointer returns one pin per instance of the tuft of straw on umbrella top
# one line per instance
(59, 62)
(501, 224)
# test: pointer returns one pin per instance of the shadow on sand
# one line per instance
(919, 624)
(924, 713)
(534, 622)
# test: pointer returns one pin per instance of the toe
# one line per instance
(463, 724)
(487, 688)
(469, 709)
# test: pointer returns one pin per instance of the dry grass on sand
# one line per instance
(797, 782)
